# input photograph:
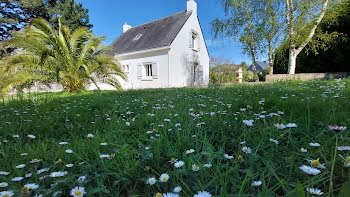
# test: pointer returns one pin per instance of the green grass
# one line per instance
(64, 117)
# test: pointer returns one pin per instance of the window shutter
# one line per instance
(139, 71)
(154, 70)
(200, 75)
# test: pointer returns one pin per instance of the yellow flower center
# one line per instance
(240, 157)
(164, 178)
(78, 193)
(347, 160)
(59, 161)
(173, 159)
(245, 150)
(6, 195)
(159, 195)
(151, 181)
(315, 163)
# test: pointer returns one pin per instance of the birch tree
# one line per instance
(302, 18)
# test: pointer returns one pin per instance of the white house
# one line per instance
(168, 52)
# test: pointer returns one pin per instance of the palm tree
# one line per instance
(48, 55)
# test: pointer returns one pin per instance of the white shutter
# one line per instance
(139, 71)
(154, 70)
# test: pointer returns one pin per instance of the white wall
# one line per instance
(182, 56)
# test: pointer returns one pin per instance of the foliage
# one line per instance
(223, 74)
(248, 76)
(72, 59)
(146, 128)
(17, 13)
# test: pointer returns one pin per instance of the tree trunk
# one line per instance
(292, 60)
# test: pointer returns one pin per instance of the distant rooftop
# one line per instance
(155, 34)
(260, 66)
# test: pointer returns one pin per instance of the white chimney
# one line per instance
(192, 6)
(126, 27)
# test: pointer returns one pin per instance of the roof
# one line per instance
(155, 34)
(260, 66)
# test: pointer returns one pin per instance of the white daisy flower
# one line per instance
(316, 163)
(21, 166)
(164, 178)
(63, 143)
(4, 173)
(228, 156)
(314, 191)
(256, 183)
(151, 181)
(314, 144)
(90, 136)
(15, 136)
(346, 161)
(24, 154)
(35, 160)
(3, 184)
(303, 150)
(31, 186)
(274, 141)
(202, 194)
(189, 151)
(291, 125)
(177, 189)
(248, 122)
(69, 165)
(78, 192)
(6, 194)
(127, 123)
(343, 148)
(58, 174)
(31, 136)
(170, 195)
(208, 165)
(16, 179)
(309, 170)
(28, 175)
(247, 150)
(195, 167)
(103, 144)
(81, 179)
(179, 164)
(69, 151)
(147, 148)
(43, 170)
(280, 126)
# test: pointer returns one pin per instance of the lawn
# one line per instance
(262, 140)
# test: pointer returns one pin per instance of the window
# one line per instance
(137, 37)
(148, 68)
(194, 40)
(125, 68)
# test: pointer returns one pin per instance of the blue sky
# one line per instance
(108, 17)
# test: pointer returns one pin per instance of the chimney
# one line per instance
(126, 27)
(192, 6)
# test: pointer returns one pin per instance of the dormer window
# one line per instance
(137, 37)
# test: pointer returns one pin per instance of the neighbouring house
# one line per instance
(168, 52)
(260, 66)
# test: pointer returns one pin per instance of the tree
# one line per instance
(17, 13)
(302, 23)
(241, 23)
(48, 55)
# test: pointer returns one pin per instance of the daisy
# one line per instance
(69, 165)
(274, 141)
(195, 168)
(240, 158)
(346, 161)
(291, 125)
(81, 179)
(147, 148)
(256, 183)
(16, 179)
(314, 144)
(90, 136)
(303, 150)
(103, 144)
(24, 154)
(309, 170)
(6, 194)
(151, 181)
(42, 170)
(316, 163)
(189, 151)
(337, 128)
(314, 191)
(4, 184)
(35, 160)
(77, 192)
(179, 164)
(15, 136)
(177, 189)
(280, 126)
(228, 156)
(69, 151)
(169, 194)
(208, 165)
(247, 150)
(202, 194)
(58, 174)
(31, 186)
(342, 148)
(248, 122)
(4, 173)
(21, 166)
(28, 175)
(104, 156)
(173, 160)
(164, 178)
(63, 143)
(31, 136)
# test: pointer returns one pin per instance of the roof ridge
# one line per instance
(157, 20)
